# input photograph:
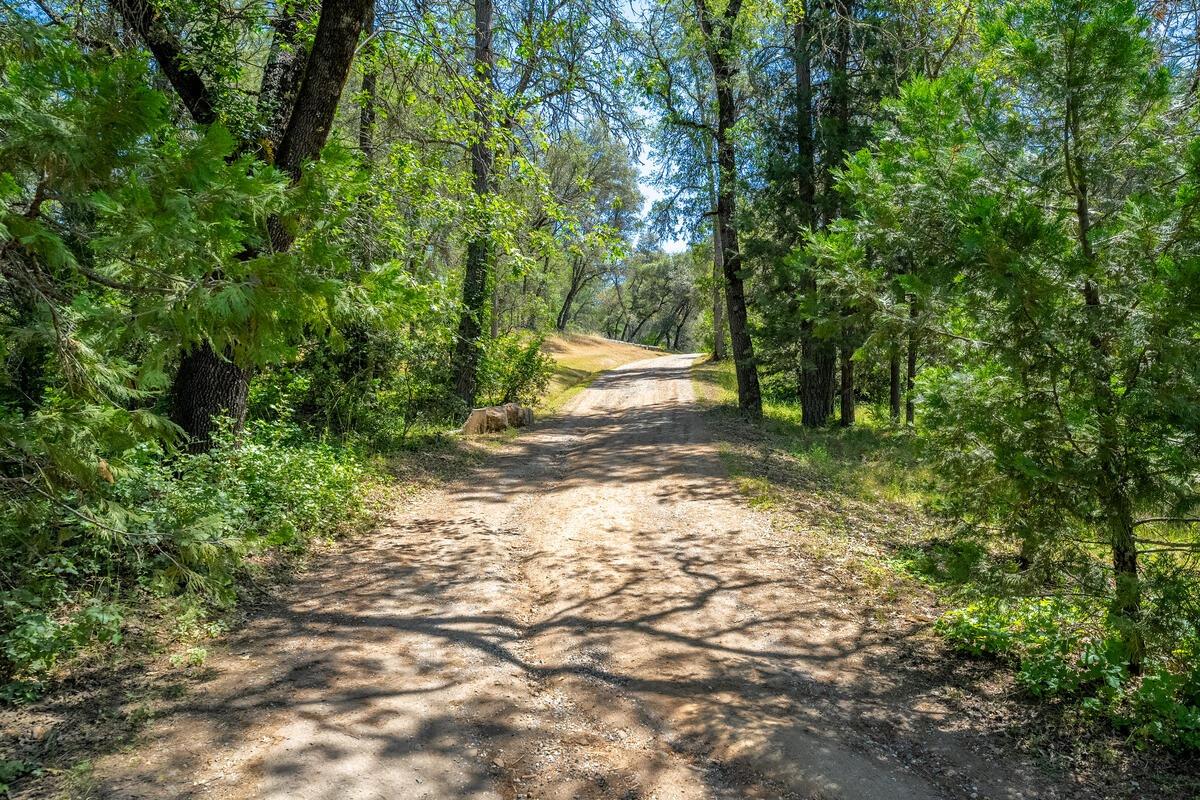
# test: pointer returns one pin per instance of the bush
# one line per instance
(1059, 653)
(513, 369)
(164, 528)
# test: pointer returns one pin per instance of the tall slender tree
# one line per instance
(717, 30)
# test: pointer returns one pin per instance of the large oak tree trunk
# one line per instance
(480, 250)
(207, 387)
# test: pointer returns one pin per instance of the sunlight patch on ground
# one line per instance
(580, 358)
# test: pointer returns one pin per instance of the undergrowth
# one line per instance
(182, 532)
(849, 493)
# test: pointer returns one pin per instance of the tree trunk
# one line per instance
(719, 39)
(564, 313)
(818, 361)
(579, 279)
(687, 312)
(718, 290)
(208, 387)
(480, 250)
(366, 114)
(910, 381)
(894, 383)
(806, 173)
(718, 295)
(284, 71)
(1126, 611)
(817, 357)
(847, 417)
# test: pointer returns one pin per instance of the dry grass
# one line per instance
(580, 358)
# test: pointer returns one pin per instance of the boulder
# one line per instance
(485, 420)
(513, 412)
(497, 419)
(490, 419)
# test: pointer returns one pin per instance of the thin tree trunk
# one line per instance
(564, 313)
(847, 416)
(718, 295)
(806, 186)
(1125, 614)
(480, 250)
(579, 279)
(687, 311)
(894, 383)
(366, 114)
(910, 378)
(718, 41)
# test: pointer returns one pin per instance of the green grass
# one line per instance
(854, 497)
(872, 461)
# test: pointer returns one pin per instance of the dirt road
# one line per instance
(594, 613)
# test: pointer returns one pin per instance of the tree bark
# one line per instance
(806, 172)
(564, 312)
(208, 387)
(847, 416)
(142, 17)
(281, 79)
(910, 378)
(366, 114)
(320, 90)
(718, 34)
(718, 295)
(480, 250)
(817, 357)
(580, 277)
(894, 383)
(818, 362)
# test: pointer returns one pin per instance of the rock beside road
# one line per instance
(491, 419)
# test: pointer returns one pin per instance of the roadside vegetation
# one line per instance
(258, 257)
(863, 503)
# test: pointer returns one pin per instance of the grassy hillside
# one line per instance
(579, 358)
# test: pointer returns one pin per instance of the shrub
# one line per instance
(1059, 653)
(164, 527)
(513, 369)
